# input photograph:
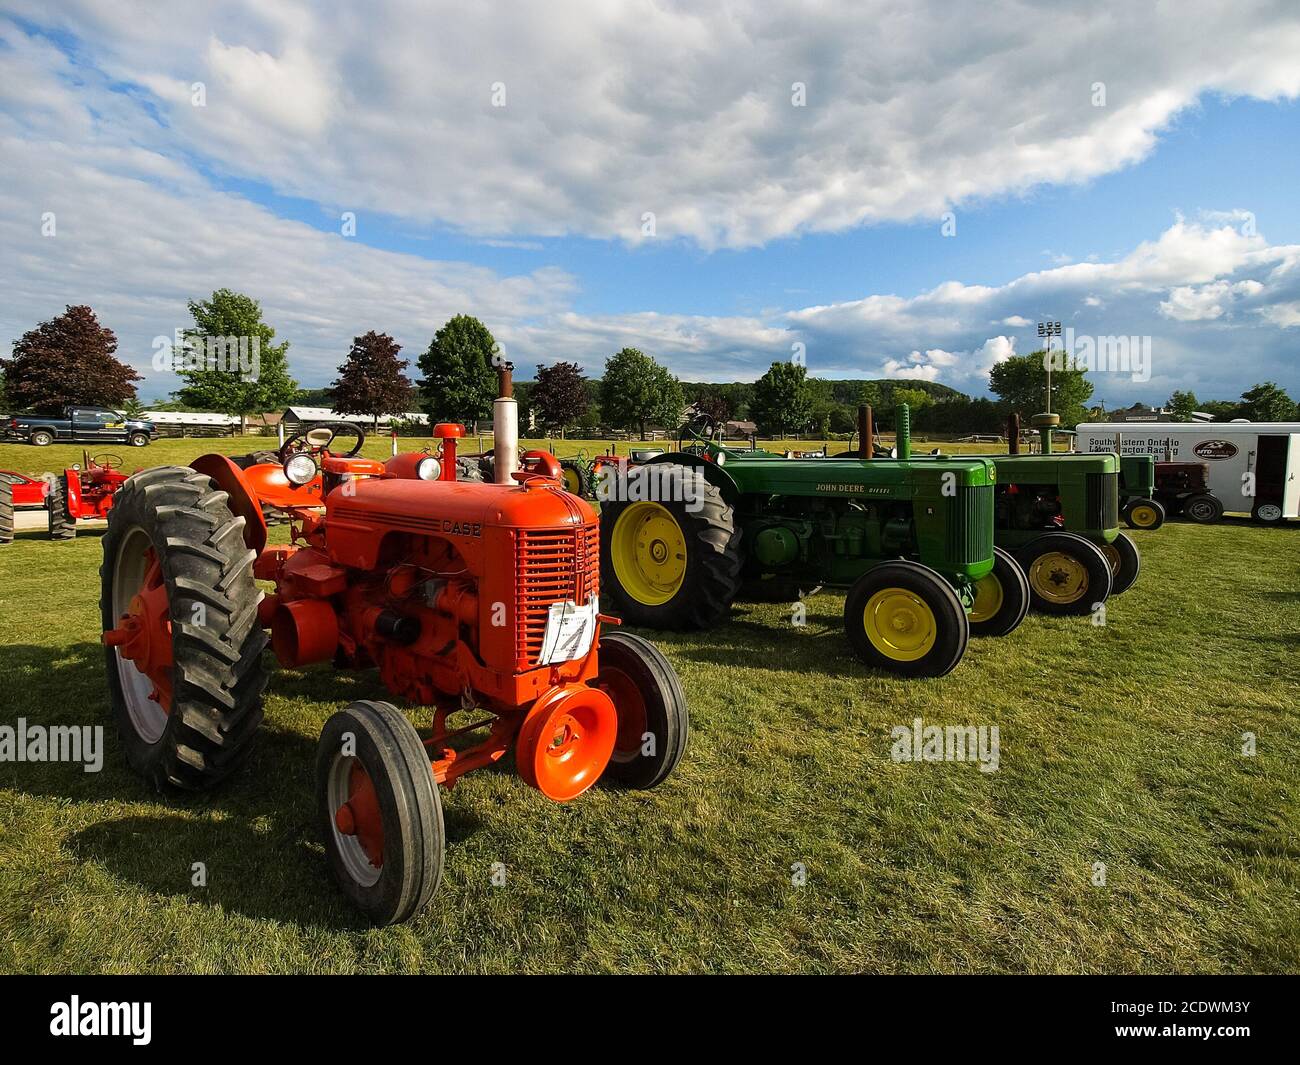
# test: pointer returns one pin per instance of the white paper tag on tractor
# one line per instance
(569, 631)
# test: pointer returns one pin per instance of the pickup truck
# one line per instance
(78, 425)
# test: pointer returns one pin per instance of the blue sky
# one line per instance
(1167, 211)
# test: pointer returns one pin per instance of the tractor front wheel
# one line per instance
(1143, 514)
(63, 526)
(903, 617)
(1125, 563)
(1068, 575)
(1203, 508)
(379, 811)
(574, 476)
(670, 564)
(183, 648)
(1001, 598)
(653, 722)
(6, 512)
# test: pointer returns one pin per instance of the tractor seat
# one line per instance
(355, 466)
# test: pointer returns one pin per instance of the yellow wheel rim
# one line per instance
(900, 624)
(1144, 517)
(649, 553)
(571, 482)
(988, 598)
(1058, 577)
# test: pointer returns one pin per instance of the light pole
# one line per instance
(1046, 421)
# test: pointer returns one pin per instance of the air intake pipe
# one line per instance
(505, 427)
(903, 441)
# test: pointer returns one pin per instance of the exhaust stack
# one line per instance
(505, 427)
(903, 432)
(866, 433)
(1013, 434)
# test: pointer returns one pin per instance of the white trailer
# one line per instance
(1241, 456)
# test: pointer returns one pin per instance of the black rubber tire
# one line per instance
(1096, 567)
(42, 438)
(1274, 512)
(6, 512)
(952, 629)
(63, 526)
(138, 439)
(389, 748)
(1015, 597)
(1155, 506)
(1125, 563)
(712, 579)
(1204, 508)
(574, 477)
(218, 676)
(667, 717)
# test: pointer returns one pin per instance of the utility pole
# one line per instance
(1046, 421)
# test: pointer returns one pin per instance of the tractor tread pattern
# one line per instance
(6, 512)
(217, 644)
(62, 524)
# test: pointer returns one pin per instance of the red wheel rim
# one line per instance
(144, 633)
(360, 816)
(629, 703)
(565, 742)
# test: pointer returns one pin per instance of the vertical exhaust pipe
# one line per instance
(505, 427)
(903, 432)
(1013, 434)
(866, 433)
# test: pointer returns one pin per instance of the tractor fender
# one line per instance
(243, 503)
(713, 473)
(72, 489)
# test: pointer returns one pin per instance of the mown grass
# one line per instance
(1119, 744)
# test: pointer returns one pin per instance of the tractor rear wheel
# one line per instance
(574, 476)
(1125, 563)
(6, 512)
(379, 811)
(183, 647)
(664, 565)
(1143, 514)
(1068, 575)
(1203, 508)
(1001, 598)
(903, 617)
(653, 721)
(63, 526)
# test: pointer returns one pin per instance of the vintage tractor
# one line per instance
(684, 534)
(466, 596)
(18, 492)
(1183, 489)
(1138, 505)
(82, 492)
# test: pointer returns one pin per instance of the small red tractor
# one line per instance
(467, 596)
(82, 492)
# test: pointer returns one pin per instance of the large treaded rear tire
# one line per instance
(217, 676)
(6, 512)
(712, 578)
(62, 524)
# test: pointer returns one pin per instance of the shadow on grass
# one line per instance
(255, 831)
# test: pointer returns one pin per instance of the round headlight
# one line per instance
(300, 468)
(428, 469)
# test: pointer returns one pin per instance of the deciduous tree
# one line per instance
(559, 395)
(68, 360)
(637, 391)
(459, 382)
(371, 380)
(782, 402)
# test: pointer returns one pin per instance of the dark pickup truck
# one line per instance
(78, 425)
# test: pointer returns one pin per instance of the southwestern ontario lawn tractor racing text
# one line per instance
(467, 596)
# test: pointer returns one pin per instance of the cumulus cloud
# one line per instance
(684, 110)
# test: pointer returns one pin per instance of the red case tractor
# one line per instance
(467, 596)
(80, 492)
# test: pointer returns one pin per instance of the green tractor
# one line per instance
(1138, 505)
(687, 533)
(1059, 515)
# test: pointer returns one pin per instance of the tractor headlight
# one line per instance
(428, 469)
(300, 468)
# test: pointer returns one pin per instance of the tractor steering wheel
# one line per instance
(318, 436)
(106, 460)
(702, 429)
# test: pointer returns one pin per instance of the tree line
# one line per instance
(71, 359)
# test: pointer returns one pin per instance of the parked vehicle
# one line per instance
(464, 595)
(79, 425)
(1250, 467)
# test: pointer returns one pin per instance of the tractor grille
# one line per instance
(554, 565)
(1101, 495)
(970, 525)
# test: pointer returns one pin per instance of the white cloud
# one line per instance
(680, 109)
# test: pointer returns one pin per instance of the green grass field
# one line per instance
(1120, 744)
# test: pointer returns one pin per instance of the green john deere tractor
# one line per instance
(1138, 505)
(912, 540)
(1059, 515)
